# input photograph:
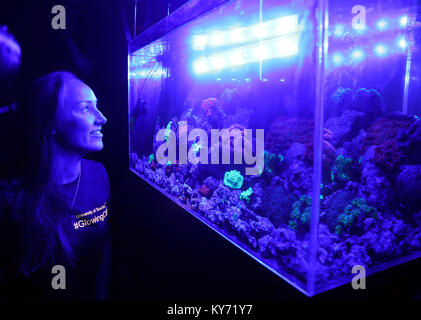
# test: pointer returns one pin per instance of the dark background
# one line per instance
(160, 251)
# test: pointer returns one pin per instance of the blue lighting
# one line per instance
(200, 66)
(338, 30)
(261, 53)
(236, 35)
(217, 62)
(259, 31)
(264, 30)
(217, 39)
(199, 42)
(337, 59)
(381, 50)
(237, 58)
(403, 21)
(286, 46)
(382, 24)
(402, 43)
(358, 55)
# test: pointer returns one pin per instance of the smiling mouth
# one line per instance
(96, 133)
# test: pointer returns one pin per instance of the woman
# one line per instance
(56, 213)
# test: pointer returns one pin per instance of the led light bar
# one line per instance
(265, 30)
(281, 47)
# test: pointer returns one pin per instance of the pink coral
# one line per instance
(208, 105)
(388, 155)
(385, 129)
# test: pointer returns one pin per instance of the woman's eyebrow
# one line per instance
(90, 100)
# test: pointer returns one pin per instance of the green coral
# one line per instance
(167, 131)
(272, 161)
(341, 169)
(301, 213)
(245, 195)
(353, 214)
(151, 158)
(233, 179)
(196, 147)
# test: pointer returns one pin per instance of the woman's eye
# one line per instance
(86, 109)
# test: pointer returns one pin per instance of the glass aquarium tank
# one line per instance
(291, 128)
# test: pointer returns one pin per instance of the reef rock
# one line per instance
(409, 182)
(410, 143)
(376, 187)
(345, 127)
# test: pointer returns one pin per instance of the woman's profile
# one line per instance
(56, 211)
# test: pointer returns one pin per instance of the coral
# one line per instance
(342, 169)
(367, 101)
(333, 206)
(296, 151)
(385, 129)
(298, 177)
(233, 179)
(328, 154)
(211, 183)
(284, 132)
(245, 195)
(370, 102)
(301, 214)
(345, 127)
(273, 162)
(208, 105)
(151, 158)
(376, 187)
(341, 100)
(410, 143)
(354, 213)
(152, 165)
(387, 155)
(205, 191)
(408, 182)
(276, 203)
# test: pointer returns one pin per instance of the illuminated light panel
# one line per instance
(339, 30)
(259, 31)
(236, 35)
(237, 58)
(381, 50)
(217, 39)
(268, 29)
(268, 49)
(358, 55)
(261, 52)
(403, 21)
(382, 24)
(402, 43)
(199, 42)
(337, 59)
(286, 25)
(200, 66)
(287, 47)
(217, 62)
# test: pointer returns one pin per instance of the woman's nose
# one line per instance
(100, 118)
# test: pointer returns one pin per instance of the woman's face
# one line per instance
(79, 122)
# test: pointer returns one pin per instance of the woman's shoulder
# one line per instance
(94, 167)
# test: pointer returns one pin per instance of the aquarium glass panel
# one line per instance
(288, 127)
(370, 205)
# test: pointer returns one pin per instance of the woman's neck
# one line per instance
(66, 166)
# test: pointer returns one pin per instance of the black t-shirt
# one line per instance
(87, 277)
